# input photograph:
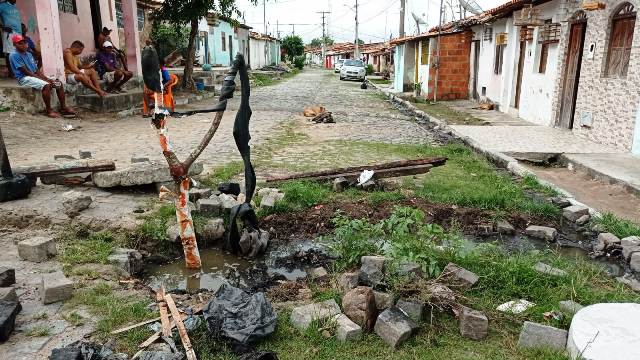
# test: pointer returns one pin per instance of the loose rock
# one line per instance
(7, 276)
(197, 194)
(383, 300)
(228, 202)
(139, 159)
(173, 233)
(347, 330)
(129, 261)
(505, 228)
(140, 174)
(347, 281)
(574, 212)
(37, 249)
(271, 199)
(629, 281)
(359, 305)
(409, 269)
(213, 230)
(372, 270)
(441, 295)
(253, 243)
(542, 232)
(319, 274)
(535, 335)
(570, 306)
(549, 270)
(630, 245)
(55, 287)
(473, 324)
(229, 188)
(8, 312)
(515, 306)
(85, 154)
(583, 220)
(605, 241)
(8, 294)
(302, 316)
(413, 309)
(560, 202)
(211, 206)
(458, 276)
(394, 327)
(634, 261)
(75, 202)
(340, 184)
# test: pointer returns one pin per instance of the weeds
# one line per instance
(74, 318)
(445, 113)
(300, 195)
(38, 331)
(81, 247)
(621, 228)
(223, 174)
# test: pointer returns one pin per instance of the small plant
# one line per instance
(74, 318)
(369, 69)
(38, 331)
(298, 62)
(621, 228)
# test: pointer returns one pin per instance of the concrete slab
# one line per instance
(622, 169)
(494, 117)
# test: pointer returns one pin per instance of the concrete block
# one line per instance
(8, 294)
(535, 335)
(574, 212)
(634, 261)
(319, 274)
(302, 316)
(359, 305)
(75, 202)
(505, 228)
(85, 154)
(394, 327)
(8, 312)
(459, 276)
(128, 261)
(542, 232)
(473, 324)
(37, 249)
(197, 194)
(372, 270)
(383, 300)
(7, 276)
(213, 230)
(210, 207)
(140, 174)
(630, 245)
(140, 159)
(55, 287)
(347, 330)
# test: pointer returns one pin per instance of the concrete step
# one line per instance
(133, 84)
(111, 103)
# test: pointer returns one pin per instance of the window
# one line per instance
(544, 53)
(224, 41)
(140, 19)
(119, 14)
(620, 40)
(68, 6)
(424, 52)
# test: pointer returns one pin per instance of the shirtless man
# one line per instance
(77, 73)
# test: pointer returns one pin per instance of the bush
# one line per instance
(369, 69)
(298, 62)
(169, 38)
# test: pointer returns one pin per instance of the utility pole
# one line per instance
(402, 6)
(435, 83)
(264, 15)
(324, 34)
(278, 28)
(356, 53)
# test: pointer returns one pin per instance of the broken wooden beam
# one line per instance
(127, 328)
(65, 168)
(186, 343)
(412, 167)
(164, 313)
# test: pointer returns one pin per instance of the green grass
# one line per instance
(38, 331)
(74, 318)
(268, 80)
(81, 247)
(447, 114)
(222, 174)
(379, 81)
(621, 228)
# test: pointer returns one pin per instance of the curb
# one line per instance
(497, 158)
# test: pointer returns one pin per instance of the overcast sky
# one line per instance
(379, 19)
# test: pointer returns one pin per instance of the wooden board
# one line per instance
(164, 313)
(65, 168)
(186, 343)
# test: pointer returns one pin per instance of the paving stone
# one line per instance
(340, 184)
(458, 276)
(318, 274)
(347, 330)
(634, 261)
(473, 324)
(359, 305)
(383, 300)
(570, 306)
(302, 316)
(140, 174)
(213, 230)
(37, 249)
(535, 335)
(542, 232)
(574, 212)
(75, 202)
(413, 309)
(394, 327)
(197, 194)
(140, 159)
(7, 276)
(129, 261)
(549, 270)
(505, 228)
(8, 294)
(55, 287)
(372, 270)
(8, 312)
(211, 206)
(347, 281)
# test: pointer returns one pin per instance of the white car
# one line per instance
(338, 65)
(353, 69)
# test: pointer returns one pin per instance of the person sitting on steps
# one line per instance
(77, 73)
(107, 67)
(28, 74)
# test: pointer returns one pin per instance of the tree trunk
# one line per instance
(187, 78)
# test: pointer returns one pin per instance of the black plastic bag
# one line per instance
(235, 315)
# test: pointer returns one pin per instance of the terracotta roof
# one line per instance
(258, 36)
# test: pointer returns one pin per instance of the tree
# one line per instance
(360, 42)
(293, 46)
(189, 12)
(317, 42)
(169, 38)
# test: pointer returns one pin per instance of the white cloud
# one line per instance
(379, 19)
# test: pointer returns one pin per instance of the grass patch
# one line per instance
(268, 80)
(82, 247)
(74, 318)
(222, 174)
(38, 331)
(621, 228)
(300, 195)
(445, 113)
(530, 182)
(380, 81)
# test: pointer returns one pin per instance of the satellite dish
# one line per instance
(419, 20)
(471, 6)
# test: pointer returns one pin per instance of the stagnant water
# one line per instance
(292, 261)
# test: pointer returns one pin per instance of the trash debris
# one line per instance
(239, 317)
(515, 306)
(365, 176)
(80, 350)
(324, 118)
(67, 127)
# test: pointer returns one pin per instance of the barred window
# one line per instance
(119, 14)
(140, 19)
(68, 6)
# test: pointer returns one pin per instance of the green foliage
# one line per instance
(182, 12)
(317, 42)
(621, 228)
(293, 46)
(298, 62)
(82, 247)
(369, 69)
(380, 81)
(38, 331)
(301, 195)
(169, 38)
(530, 182)
(223, 174)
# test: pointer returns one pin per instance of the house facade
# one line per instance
(264, 50)
(219, 40)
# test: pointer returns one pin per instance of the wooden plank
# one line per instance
(164, 313)
(186, 343)
(67, 167)
(150, 340)
(121, 330)
(381, 174)
(334, 173)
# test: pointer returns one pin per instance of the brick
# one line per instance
(394, 327)
(346, 330)
(37, 249)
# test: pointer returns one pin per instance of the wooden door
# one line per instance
(476, 61)
(572, 75)
(96, 20)
(523, 48)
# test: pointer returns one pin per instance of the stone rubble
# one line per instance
(7, 276)
(574, 212)
(372, 270)
(630, 245)
(212, 231)
(139, 159)
(128, 261)
(199, 193)
(210, 207)
(8, 312)
(302, 316)
(515, 306)
(359, 305)
(347, 281)
(55, 287)
(228, 202)
(542, 232)
(409, 269)
(505, 228)
(319, 274)
(606, 241)
(8, 294)
(473, 324)
(37, 249)
(271, 199)
(583, 220)
(347, 330)
(173, 233)
(145, 173)
(75, 202)
(413, 309)
(229, 188)
(394, 326)
(457, 276)
(340, 184)
(560, 202)
(570, 306)
(383, 300)
(634, 261)
(549, 270)
(535, 335)
(85, 154)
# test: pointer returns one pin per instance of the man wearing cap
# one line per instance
(105, 35)
(11, 25)
(107, 67)
(28, 74)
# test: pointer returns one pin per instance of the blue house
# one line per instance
(220, 41)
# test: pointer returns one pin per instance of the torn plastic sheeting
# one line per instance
(365, 176)
(85, 351)
(235, 315)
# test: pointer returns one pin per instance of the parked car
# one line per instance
(338, 65)
(353, 69)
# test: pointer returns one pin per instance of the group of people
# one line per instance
(25, 62)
